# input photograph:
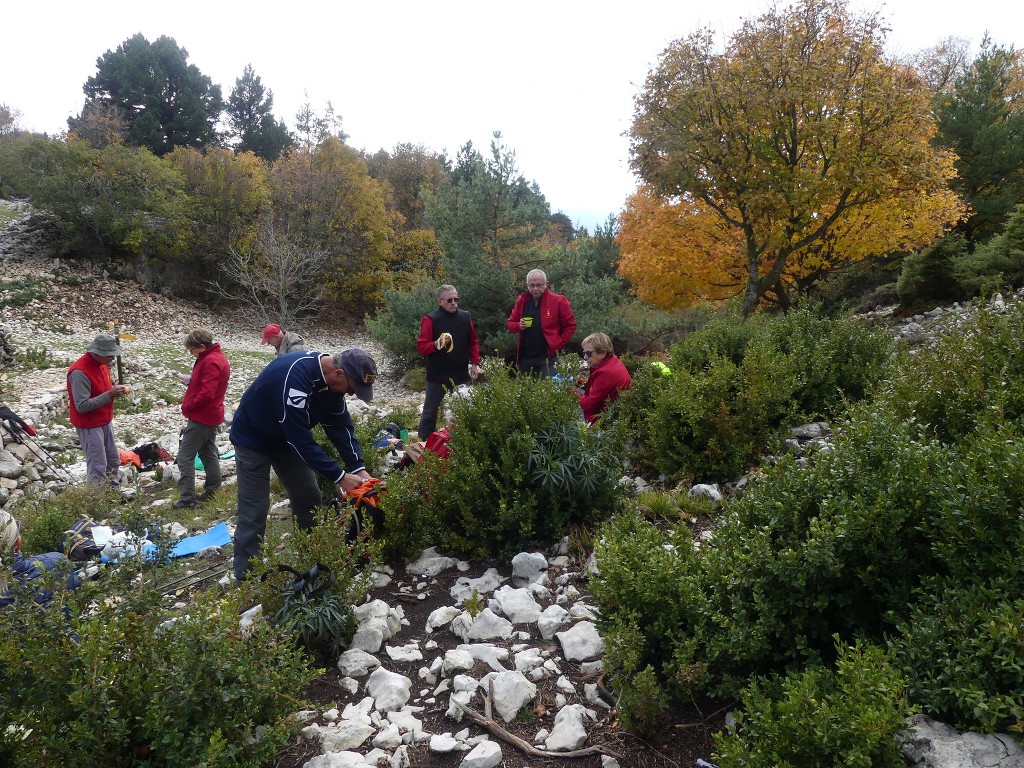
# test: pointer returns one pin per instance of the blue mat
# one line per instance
(217, 536)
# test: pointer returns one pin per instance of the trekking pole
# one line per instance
(194, 579)
(117, 335)
(40, 453)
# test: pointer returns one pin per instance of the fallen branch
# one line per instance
(492, 726)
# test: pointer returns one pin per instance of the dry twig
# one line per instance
(488, 723)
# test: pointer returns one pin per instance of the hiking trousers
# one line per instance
(253, 472)
(434, 396)
(102, 458)
(197, 440)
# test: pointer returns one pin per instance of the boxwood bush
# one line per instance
(522, 467)
(735, 383)
(908, 530)
(125, 681)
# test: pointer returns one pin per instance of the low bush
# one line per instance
(735, 383)
(929, 277)
(314, 605)
(961, 647)
(125, 681)
(971, 378)
(522, 466)
(818, 717)
(855, 544)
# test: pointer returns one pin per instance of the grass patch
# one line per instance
(18, 293)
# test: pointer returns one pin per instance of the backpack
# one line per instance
(78, 541)
(151, 454)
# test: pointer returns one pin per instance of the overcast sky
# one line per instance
(556, 77)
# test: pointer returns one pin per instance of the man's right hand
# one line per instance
(119, 390)
(349, 482)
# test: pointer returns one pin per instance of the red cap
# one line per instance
(271, 330)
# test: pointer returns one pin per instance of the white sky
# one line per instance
(556, 77)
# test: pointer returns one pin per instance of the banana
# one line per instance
(446, 341)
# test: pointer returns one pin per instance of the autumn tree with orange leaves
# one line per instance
(797, 149)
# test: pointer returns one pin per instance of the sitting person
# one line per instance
(25, 569)
(608, 376)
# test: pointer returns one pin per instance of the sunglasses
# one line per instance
(588, 352)
(453, 300)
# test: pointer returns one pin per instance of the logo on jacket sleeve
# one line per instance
(297, 398)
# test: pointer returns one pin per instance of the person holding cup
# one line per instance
(545, 323)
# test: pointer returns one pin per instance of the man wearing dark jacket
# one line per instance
(545, 323)
(203, 407)
(272, 428)
(449, 343)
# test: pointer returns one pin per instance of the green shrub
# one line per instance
(972, 377)
(734, 384)
(997, 263)
(929, 277)
(321, 613)
(819, 717)
(128, 682)
(321, 620)
(521, 468)
(43, 521)
(961, 648)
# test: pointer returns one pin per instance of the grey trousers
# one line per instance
(253, 471)
(102, 458)
(197, 439)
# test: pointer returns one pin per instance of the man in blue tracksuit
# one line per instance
(272, 428)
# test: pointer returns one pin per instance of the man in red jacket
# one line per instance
(203, 407)
(91, 396)
(544, 322)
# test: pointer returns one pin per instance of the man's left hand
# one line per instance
(474, 372)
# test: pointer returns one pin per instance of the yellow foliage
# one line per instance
(808, 147)
(324, 196)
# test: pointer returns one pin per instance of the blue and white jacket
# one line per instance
(27, 569)
(279, 410)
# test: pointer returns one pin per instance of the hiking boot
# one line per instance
(185, 503)
(206, 494)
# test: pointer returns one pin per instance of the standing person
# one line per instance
(203, 407)
(544, 322)
(448, 341)
(91, 396)
(273, 428)
(282, 341)
(608, 376)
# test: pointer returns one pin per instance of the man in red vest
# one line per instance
(91, 396)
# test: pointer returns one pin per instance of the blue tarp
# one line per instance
(217, 536)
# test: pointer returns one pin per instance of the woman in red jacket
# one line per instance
(203, 406)
(608, 376)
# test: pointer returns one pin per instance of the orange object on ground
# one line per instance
(130, 457)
